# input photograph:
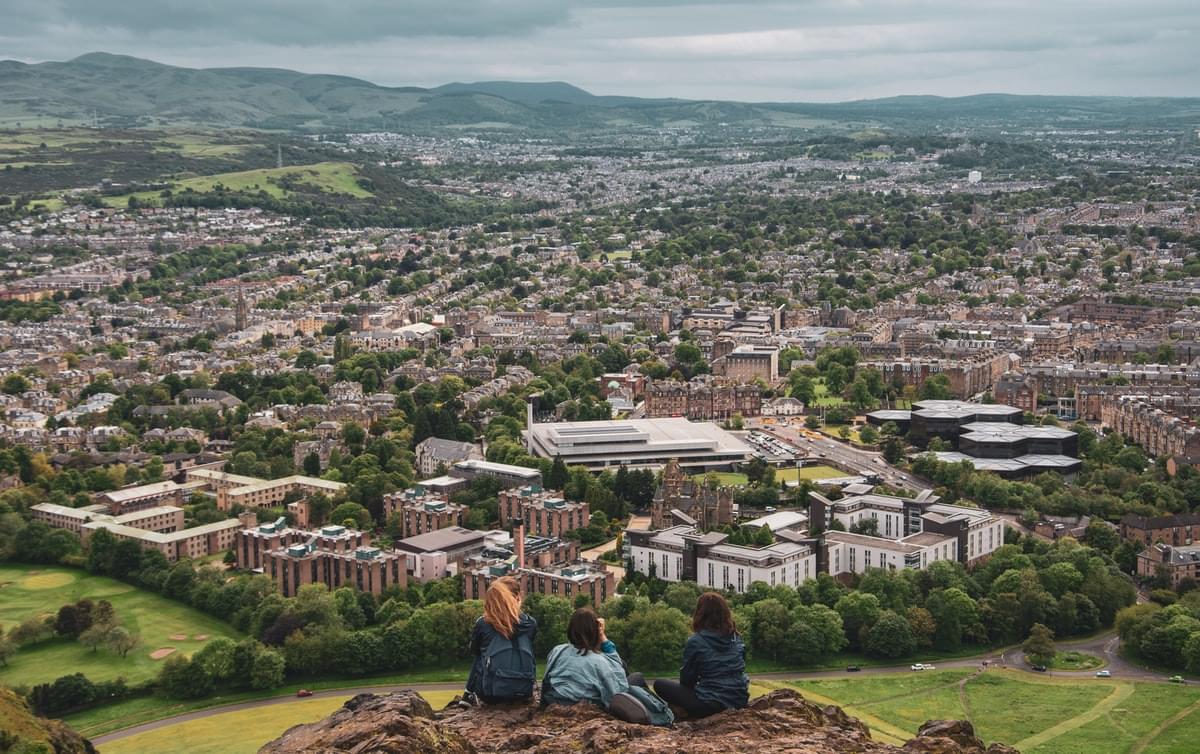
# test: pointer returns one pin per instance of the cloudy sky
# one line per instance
(810, 50)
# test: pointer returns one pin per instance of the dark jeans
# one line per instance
(637, 679)
(678, 695)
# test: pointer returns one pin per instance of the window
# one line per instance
(710, 574)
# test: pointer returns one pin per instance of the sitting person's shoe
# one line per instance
(627, 708)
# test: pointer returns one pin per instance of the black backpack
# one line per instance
(508, 668)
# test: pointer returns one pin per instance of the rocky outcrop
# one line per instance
(21, 730)
(782, 722)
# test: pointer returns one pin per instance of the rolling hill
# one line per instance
(118, 90)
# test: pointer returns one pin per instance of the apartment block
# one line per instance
(422, 512)
(545, 513)
(333, 555)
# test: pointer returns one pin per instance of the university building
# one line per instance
(421, 511)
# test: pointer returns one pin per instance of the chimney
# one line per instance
(519, 541)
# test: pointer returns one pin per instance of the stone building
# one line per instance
(707, 508)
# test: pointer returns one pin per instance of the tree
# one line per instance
(1102, 536)
(72, 620)
(95, 636)
(891, 637)
(922, 625)
(859, 610)
(267, 669)
(1039, 647)
(868, 434)
(936, 387)
(8, 648)
(121, 640)
(352, 515)
(893, 450)
(312, 464)
(556, 479)
(954, 612)
(181, 678)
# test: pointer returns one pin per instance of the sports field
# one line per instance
(41, 590)
(1034, 714)
(808, 472)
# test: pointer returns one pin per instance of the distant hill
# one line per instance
(119, 90)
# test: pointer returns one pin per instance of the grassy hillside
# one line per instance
(1034, 714)
(119, 91)
(26, 591)
(326, 177)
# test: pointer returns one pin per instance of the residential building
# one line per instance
(434, 453)
(1175, 562)
(422, 511)
(544, 513)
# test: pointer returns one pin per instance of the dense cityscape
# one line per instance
(280, 406)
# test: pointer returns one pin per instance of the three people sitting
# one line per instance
(588, 667)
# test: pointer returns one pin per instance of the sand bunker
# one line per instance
(178, 637)
(200, 637)
(161, 652)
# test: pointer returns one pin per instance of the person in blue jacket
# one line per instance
(713, 677)
(588, 669)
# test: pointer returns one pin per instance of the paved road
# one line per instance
(1104, 645)
(593, 554)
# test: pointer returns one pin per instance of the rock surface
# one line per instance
(21, 730)
(781, 722)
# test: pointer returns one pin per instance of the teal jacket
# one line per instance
(590, 677)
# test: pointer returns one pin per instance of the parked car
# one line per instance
(852, 668)
(1103, 674)
(918, 666)
(1040, 668)
(1177, 679)
(304, 692)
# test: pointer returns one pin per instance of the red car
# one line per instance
(303, 692)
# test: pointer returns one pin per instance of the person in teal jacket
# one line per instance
(588, 667)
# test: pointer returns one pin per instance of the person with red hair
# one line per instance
(503, 670)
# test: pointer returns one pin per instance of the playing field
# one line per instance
(331, 177)
(41, 590)
(1036, 715)
(808, 472)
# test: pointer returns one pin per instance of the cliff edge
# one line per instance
(782, 722)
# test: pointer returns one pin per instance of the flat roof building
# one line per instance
(637, 442)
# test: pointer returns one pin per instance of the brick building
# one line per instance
(702, 399)
(1177, 530)
(422, 511)
(545, 513)
(333, 555)
(1176, 563)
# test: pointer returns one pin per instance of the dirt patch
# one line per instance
(161, 652)
(200, 637)
(178, 637)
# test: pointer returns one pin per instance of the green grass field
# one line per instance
(726, 478)
(808, 472)
(247, 730)
(331, 177)
(1075, 661)
(34, 590)
(1036, 715)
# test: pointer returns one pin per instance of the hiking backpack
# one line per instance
(508, 668)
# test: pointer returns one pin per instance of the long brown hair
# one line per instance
(583, 630)
(713, 613)
(502, 605)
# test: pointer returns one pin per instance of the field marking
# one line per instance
(1120, 693)
(1140, 745)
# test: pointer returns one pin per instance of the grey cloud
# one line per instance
(748, 50)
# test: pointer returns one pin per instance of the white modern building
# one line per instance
(681, 553)
(638, 442)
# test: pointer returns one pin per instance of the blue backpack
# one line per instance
(508, 668)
